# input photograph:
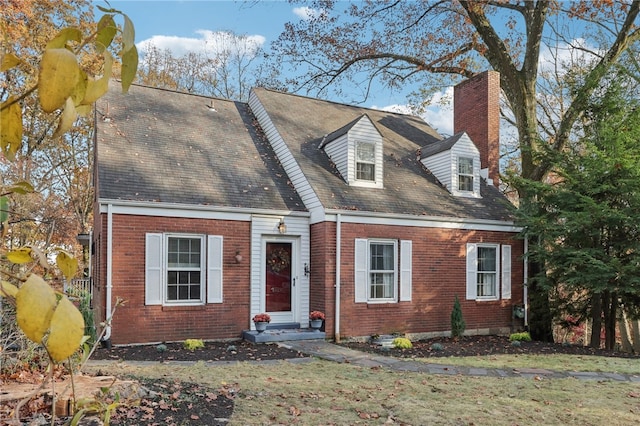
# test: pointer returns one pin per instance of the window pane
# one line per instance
(465, 166)
(365, 171)
(382, 271)
(366, 152)
(465, 183)
(184, 252)
(486, 284)
(487, 259)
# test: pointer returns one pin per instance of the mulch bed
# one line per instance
(213, 351)
(178, 403)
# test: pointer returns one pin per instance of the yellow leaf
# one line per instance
(67, 264)
(20, 256)
(106, 32)
(8, 289)
(129, 68)
(84, 110)
(59, 73)
(10, 128)
(42, 259)
(67, 118)
(22, 187)
(128, 34)
(66, 331)
(80, 90)
(4, 209)
(64, 36)
(9, 60)
(98, 87)
(35, 303)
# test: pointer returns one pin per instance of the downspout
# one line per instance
(526, 284)
(337, 286)
(107, 333)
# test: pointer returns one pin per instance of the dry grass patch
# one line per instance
(323, 392)
(549, 362)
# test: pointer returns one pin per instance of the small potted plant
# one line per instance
(315, 319)
(261, 321)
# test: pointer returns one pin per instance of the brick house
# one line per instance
(210, 211)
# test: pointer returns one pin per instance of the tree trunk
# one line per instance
(635, 332)
(540, 318)
(610, 304)
(623, 324)
(596, 320)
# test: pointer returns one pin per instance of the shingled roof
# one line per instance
(409, 188)
(155, 145)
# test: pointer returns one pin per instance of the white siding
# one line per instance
(364, 130)
(465, 148)
(266, 227)
(338, 151)
(440, 166)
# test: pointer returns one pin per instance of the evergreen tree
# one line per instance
(457, 321)
(586, 217)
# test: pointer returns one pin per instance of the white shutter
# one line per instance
(214, 269)
(472, 266)
(506, 272)
(153, 282)
(360, 266)
(405, 270)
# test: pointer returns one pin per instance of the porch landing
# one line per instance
(282, 333)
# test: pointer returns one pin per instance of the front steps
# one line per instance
(282, 333)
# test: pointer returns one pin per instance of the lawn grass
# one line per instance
(325, 393)
(549, 362)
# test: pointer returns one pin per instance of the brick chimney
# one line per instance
(476, 110)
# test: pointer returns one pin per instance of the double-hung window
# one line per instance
(365, 161)
(488, 271)
(185, 260)
(465, 174)
(382, 270)
(183, 269)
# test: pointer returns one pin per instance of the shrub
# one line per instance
(437, 347)
(457, 321)
(193, 344)
(520, 337)
(402, 343)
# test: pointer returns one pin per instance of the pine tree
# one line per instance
(457, 321)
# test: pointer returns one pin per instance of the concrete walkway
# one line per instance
(329, 351)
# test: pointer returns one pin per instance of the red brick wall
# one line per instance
(438, 275)
(476, 106)
(136, 323)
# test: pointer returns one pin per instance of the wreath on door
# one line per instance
(278, 260)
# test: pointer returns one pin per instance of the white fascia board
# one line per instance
(189, 210)
(421, 221)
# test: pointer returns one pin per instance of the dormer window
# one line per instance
(356, 150)
(365, 161)
(465, 174)
(455, 161)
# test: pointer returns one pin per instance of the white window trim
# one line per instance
(402, 270)
(156, 269)
(459, 174)
(503, 272)
(203, 270)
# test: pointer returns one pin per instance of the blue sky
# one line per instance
(186, 25)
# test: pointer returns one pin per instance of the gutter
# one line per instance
(337, 285)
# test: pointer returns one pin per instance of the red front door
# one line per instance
(278, 280)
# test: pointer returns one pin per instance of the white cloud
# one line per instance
(564, 55)
(209, 42)
(438, 113)
(306, 13)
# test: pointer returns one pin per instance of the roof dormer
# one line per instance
(356, 150)
(455, 161)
